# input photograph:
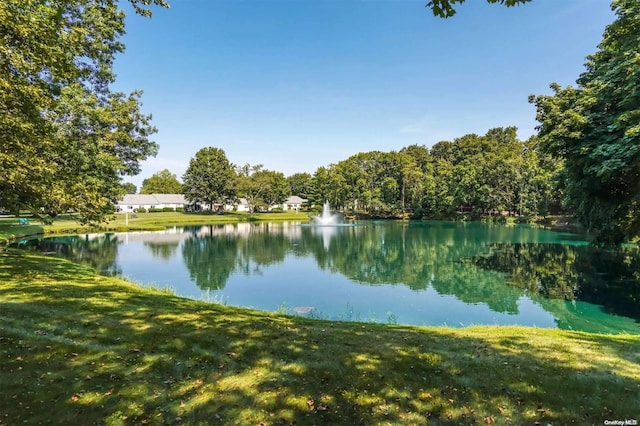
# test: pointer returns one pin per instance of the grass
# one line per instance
(78, 348)
(65, 224)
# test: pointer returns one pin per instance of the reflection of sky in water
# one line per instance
(334, 296)
(138, 262)
(282, 270)
(298, 282)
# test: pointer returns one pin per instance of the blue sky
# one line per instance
(299, 84)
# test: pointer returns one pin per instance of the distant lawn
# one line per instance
(65, 224)
(78, 348)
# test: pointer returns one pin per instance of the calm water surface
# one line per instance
(424, 273)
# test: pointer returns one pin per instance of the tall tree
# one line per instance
(162, 182)
(301, 184)
(277, 189)
(595, 129)
(251, 184)
(67, 139)
(210, 178)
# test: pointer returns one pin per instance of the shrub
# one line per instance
(155, 210)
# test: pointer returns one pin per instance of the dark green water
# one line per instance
(425, 273)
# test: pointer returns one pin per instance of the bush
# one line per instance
(168, 209)
(140, 210)
(179, 209)
(276, 210)
(155, 210)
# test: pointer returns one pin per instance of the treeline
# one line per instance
(494, 174)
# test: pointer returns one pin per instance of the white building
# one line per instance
(132, 202)
(293, 203)
(242, 205)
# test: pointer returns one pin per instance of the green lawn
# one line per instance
(78, 348)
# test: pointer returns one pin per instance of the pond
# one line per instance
(422, 273)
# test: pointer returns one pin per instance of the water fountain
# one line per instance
(326, 218)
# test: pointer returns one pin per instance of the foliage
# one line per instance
(446, 9)
(260, 187)
(478, 175)
(210, 178)
(594, 128)
(129, 188)
(162, 182)
(277, 189)
(250, 185)
(301, 184)
(67, 138)
(140, 6)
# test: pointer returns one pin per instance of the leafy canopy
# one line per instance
(162, 182)
(261, 187)
(210, 178)
(67, 138)
(129, 188)
(595, 128)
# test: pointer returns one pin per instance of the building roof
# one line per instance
(294, 199)
(138, 199)
(152, 199)
(170, 198)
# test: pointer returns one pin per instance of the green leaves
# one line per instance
(446, 9)
(162, 182)
(595, 129)
(480, 174)
(262, 187)
(210, 177)
(67, 138)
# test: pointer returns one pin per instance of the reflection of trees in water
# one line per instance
(544, 269)
(417, 256)
(99, 252)
(164, 250)
(211, 257)
(447, 257)
(473, 286)
(262, 246)
(589, 274)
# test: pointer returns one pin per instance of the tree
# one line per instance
(443, 150)
(67, 139)
(162, 182)
(412, 179)
(301, 184)
(445, 8)
(251, 185)
(277, 189)
(595, 129)
(210, 178)
(129, 188)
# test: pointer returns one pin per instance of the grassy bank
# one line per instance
(80, 348)
(10, 229)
